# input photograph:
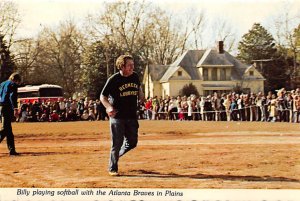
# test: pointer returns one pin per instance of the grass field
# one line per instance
(170, 154)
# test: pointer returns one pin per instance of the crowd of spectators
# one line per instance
(280, 106)
(65, 110)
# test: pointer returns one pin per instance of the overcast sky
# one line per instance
(240, 13)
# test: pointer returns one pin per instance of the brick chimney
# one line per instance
(221, 47)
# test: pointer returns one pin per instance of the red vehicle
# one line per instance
(40, 93)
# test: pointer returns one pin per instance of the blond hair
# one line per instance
(121, 61)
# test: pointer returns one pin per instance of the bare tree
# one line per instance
(225, 32)
(161, 39)
(143, 29)
(26, 52)
(285, 25)
(119, 23)
(9, 20)
(59, 61)
(193, 25)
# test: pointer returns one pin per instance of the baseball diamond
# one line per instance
(170, 154)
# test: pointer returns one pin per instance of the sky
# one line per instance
(242, 14)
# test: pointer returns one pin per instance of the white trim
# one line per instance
(207, 52)
(30, 88)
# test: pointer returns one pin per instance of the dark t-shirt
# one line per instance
(122, 93)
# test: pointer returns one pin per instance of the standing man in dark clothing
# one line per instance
(9, 109)
(120, 98)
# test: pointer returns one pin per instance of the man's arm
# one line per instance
(109, 108)
(141, 95)
(13, 98)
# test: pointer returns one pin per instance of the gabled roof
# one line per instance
(238, 68)
(171, 70)
(157, 71)
(214, 58)
(191, 60)
(188, 61)
(260, 77)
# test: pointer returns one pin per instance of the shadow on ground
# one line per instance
(144, 173)
(43, 153)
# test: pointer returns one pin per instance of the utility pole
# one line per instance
(294, 74)
(107, 65)
(148, 77)
(106, 45)
(262, 70)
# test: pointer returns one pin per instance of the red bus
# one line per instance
(40, 93)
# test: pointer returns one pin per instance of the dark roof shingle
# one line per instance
(191, 60)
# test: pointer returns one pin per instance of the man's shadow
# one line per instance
(46, 153)
(152, 174)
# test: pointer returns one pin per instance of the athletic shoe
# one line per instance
(14, 153)
(113, 173)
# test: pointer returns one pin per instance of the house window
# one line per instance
(228, 74)
(214, 74)
(205, 74)
(179, 73)
(223, 74)
(251, 73)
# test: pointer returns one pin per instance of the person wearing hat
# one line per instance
(54, 116)
(9, 109)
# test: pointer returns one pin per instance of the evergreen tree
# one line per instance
(294, 52)
(99, 63)
(257, 44)
(6, 63)
(94, 69)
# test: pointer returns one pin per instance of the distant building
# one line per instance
(212, 70)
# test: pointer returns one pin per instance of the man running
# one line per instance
(120, 98)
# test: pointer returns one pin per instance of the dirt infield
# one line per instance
(170, 154)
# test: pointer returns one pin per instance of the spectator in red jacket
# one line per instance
(54, 116)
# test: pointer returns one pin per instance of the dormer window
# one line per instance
(179, 73)
(251, 73)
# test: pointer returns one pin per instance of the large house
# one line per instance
(212, 70)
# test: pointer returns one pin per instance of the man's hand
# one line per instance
(111, 111)
(16, 112)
